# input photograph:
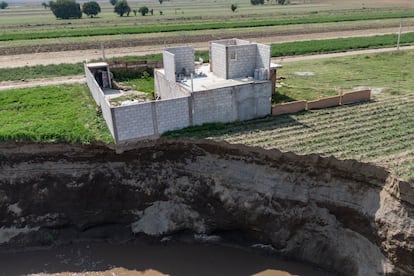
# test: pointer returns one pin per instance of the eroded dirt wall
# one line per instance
(346, 216)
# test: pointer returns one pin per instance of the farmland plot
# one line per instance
(381, 131)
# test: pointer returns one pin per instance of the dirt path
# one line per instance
(5, 85)
(12, 61)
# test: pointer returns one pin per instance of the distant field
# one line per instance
(192, 25)
(51, 114)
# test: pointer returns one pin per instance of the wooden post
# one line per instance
(399, 36)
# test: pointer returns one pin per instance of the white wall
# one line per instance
(100, 99)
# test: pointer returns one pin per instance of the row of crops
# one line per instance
(381, 132)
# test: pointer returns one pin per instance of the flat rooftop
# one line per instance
(206, 80)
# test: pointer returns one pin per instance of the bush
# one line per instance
(233, 7)
(122, 7)
(143, 10)
(65, 9)
(257, 2)
(91, 8)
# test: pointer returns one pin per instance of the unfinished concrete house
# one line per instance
(236, 85)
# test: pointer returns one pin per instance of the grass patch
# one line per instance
(339, 44)
(310, 80)
(51, 114)
(40, 71)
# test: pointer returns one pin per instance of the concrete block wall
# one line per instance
(184, 59)
(245, 62)
(100, 99)
(213, 106)
(263, 56)
(235, 103)
(168, 89)
(252, 100)
(218, 60)
(133, 121)
(172, 114)
(169, 65)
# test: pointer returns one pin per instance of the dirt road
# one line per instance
(6, 85)
(12, 61)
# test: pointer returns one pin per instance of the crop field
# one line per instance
(51, 114)
(31, 26)
(381, 132)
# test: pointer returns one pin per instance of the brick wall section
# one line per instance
(213, 106)
(287, 108)
(100, 99)
(133, 121)
(325, 102)
(357, 96)
(263, 56)
(218, 60)
(168, 89)
(169, 65)
(245, 62)
(172, 114)
(184, 59)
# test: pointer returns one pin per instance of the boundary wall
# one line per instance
(150, 119)
(345, 98)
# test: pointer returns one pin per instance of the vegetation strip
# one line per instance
(51, 114)
(196, 26)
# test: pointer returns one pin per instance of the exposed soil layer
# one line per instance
(346, 216)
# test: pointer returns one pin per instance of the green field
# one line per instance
(51, 114)
(312, 79)
(193, 25)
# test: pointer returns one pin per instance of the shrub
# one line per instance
(257, 2)
(143, 10)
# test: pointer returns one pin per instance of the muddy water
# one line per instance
(143, 258)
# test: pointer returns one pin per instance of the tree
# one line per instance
(113, 2)
(45, 5)
(233, 7)
(91, 8)
(281, 2)
(3, 5)
(65, 9)
(122, 7)
(257, 2)
(160, 1)
(143, 10)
